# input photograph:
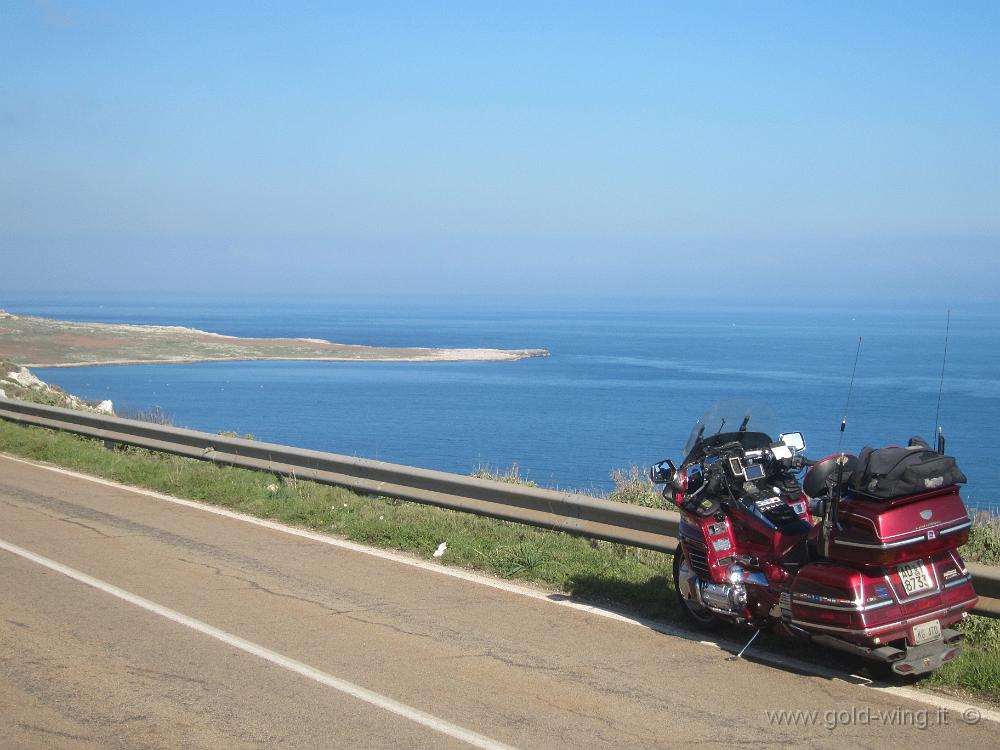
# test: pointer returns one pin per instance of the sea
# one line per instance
(624, 384)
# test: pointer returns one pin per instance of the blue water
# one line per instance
(623, 385)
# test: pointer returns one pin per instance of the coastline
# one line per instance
(43, 342)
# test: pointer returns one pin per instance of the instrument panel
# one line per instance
(748, 471)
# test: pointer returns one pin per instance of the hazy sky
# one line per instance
(723, 149)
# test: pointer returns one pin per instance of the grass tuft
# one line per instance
(510, 476)
(153, 415)
(233, 434)
(632, 486)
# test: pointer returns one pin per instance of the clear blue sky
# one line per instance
(574, 148)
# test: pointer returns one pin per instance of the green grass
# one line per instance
(984, 540)
(614, 574)
(977, 668)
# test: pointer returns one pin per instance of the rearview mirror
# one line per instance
(662, 472)
(793, 440)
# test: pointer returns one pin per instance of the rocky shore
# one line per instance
(19, 382)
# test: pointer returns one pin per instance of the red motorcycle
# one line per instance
(877, 575)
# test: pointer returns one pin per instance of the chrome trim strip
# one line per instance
(890, 545)
(960, 526)
(852, 606)
(855, 607)
(901, 623)
(936, 526)
(878, 605)
(963, 579)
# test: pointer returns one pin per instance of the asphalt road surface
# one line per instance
(128, 621)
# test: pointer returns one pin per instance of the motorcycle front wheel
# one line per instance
(697, 615)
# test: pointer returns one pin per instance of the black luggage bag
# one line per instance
(888, 473)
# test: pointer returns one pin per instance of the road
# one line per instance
(129, 621)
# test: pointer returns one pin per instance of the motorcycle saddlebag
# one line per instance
(888, 473)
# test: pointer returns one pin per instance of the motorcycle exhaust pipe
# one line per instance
(885, 654)
(950, 636)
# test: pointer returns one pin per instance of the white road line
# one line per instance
(355, 691)
(782, 661)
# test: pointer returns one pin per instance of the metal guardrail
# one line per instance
(572, 513)
(563, 511)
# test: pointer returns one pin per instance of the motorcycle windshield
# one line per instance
(749, 423)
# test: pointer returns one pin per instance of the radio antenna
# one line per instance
(850, 390)
(830, 510)
(939, 433)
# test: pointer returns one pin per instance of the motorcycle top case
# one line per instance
(888, 473)
(886, 532)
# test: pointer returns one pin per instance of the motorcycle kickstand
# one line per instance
(742, 650)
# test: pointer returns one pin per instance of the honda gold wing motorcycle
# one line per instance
(861, 555)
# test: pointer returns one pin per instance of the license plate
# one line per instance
(926, 631)
(915, 577)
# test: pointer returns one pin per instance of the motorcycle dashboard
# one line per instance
(748, 471)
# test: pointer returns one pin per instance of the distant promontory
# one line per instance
(42, 342)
